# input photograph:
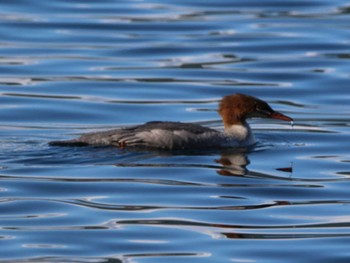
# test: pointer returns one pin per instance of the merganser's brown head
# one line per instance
(235, 109)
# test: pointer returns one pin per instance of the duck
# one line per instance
(234, 110)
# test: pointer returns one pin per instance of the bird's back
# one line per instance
(156, 134)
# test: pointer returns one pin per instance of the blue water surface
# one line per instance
(70, 67)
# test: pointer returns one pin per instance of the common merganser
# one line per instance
(234, 110)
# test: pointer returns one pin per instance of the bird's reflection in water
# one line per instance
(234, 162)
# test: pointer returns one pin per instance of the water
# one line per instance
(71, 67)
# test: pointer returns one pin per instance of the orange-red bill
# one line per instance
(280, 116)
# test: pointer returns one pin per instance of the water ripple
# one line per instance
(70, 68)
